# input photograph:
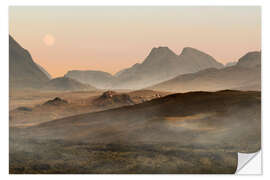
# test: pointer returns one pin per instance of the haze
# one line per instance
(113, 38)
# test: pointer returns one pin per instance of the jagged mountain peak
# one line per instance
(159, 54)
(161, 50)
(190, 50)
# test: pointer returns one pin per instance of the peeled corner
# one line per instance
(249, 164)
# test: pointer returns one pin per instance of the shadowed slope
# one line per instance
(23, 71)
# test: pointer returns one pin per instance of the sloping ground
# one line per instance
(196, 132)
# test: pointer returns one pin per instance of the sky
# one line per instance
(110, 38)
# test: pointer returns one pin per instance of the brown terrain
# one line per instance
(196, 132)
(33, 107)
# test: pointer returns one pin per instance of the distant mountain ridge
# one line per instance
(99, 79)
(245, 75)
(161, 64)
(66, 84)
(162, 70)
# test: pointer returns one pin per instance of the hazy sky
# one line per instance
(112, 38)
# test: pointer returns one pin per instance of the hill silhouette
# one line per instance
(23, 71)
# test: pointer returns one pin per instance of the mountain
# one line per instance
(66, 84)
(197, 60)
(250, 60)
(245, 75)
(99, 79)
(44, 71)
(162, 64)
(23, 71)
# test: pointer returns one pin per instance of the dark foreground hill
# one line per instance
(195, 132)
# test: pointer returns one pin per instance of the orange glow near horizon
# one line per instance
(112, 38)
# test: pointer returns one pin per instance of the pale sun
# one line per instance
(48, 40)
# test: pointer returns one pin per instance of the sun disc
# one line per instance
(48, 40)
